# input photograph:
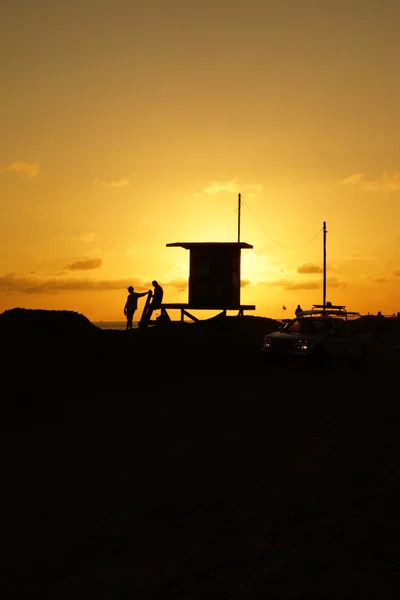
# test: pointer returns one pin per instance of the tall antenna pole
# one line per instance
(324, 280)
(239, 205)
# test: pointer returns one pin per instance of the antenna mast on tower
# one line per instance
(239, 205)
(324, 276)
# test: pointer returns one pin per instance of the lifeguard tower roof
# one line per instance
(189, 245)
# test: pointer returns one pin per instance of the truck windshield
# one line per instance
(306, 326)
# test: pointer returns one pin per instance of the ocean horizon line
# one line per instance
(118, 325)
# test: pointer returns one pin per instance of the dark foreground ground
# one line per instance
(167, 463)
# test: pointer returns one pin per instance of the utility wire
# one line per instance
(272, 239)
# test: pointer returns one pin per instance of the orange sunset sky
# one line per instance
(127, 125)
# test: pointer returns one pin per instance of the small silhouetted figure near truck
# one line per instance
(298, 310)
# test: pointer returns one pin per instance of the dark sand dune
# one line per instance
(166, 463)
(57, 322)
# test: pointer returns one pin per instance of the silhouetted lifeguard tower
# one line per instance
(214, 278)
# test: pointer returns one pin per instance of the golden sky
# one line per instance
(128, 125)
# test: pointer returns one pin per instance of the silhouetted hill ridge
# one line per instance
(58, 322)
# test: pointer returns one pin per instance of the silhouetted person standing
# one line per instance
(131, 305)
(298, 310)
(157, 296)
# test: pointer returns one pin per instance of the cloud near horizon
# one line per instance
(379, 279)
(36, 285)
(386, 182)
(309, 268)
(21, 166)
(86, 264)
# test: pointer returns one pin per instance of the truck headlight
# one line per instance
(302, 345)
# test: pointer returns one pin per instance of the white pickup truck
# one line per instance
(324, 333)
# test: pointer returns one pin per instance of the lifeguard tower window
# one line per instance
(214, 278)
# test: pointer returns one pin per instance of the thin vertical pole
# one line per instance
(239, 205)
(324, 279)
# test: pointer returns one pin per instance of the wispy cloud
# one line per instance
(309, 268)
(396, 273)
(179, 284)
(352, 180)
(87, 237)
(232, 186)
(358, 258)
(335, 283)
(86, 264)
(302, 285)
(288, 285)
(21, 166)
(386, 182)
(114, 183)
(216, 187)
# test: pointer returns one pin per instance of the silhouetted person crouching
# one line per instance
(158, 294)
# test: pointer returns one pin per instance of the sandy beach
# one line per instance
(168, 463)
